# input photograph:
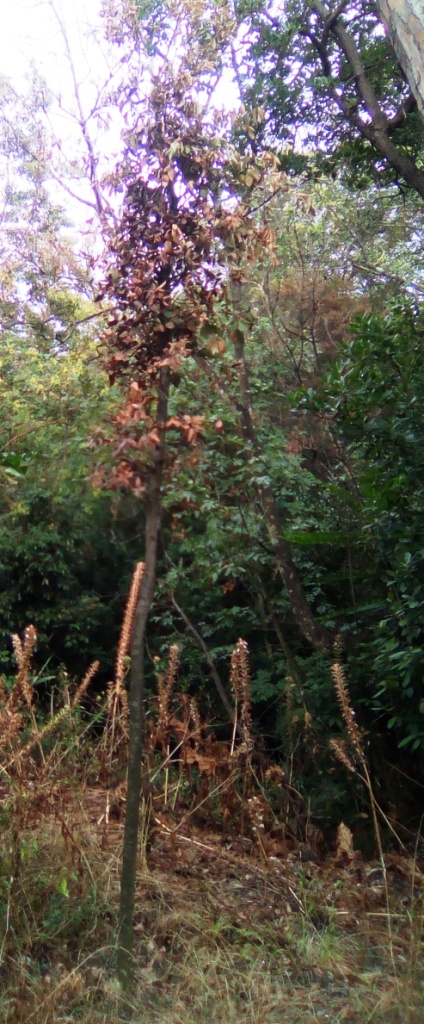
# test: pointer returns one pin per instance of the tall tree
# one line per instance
(166, 277)
(331, 79)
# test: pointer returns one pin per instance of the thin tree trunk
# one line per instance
(266, 609)
(153, 509)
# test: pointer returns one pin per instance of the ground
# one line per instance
(228, 928)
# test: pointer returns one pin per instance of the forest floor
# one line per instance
(225, 932)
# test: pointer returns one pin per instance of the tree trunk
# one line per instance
(136, 696)
(404, 21)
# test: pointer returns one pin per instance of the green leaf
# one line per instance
(63, 887)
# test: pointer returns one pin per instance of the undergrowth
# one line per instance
(240, 913)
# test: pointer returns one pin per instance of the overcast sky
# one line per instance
(30, 31)
(32, 34)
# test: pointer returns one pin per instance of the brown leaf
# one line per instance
(154, 436)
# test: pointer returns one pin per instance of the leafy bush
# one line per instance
(374, 397)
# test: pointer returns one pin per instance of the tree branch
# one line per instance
(207, 656)
(377, 130)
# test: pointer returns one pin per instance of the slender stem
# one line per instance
(208, 658)
(136, 696)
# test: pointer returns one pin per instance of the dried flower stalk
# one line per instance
(23, 655)
(173, 663)
(339, 749)
(128, 620)
(347, 711)
(84, 684)
(195, 716)
(116, 728)
(166, 685)
(240, 684)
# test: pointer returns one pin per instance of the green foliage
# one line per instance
(295, 70)
(64, 566)
(374, 396)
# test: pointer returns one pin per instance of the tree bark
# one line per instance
(153, 507)
(404, 21)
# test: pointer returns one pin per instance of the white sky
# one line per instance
(31, 34)
(30, 31)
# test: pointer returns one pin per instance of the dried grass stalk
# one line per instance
(41, 734)
(346, 708)
(240, 684)
(117, 700)
(127, 624)
(84, 684)
(10, 724)
(166, 685)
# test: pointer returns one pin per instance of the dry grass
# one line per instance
(228, 929)
(219, 936)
